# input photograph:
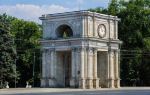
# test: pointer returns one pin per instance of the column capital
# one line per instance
(112, 50)
(95, 50)
(90, 49)
(51, 49)
(117, 50)
(79, 49)
(47, 49)
(117, 78)
(44, 50)
(73, 48)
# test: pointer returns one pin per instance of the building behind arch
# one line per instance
(80, 49)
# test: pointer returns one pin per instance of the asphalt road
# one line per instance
(86, 92)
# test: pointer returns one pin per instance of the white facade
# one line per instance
(80, 49)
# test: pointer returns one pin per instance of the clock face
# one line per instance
(101, 31)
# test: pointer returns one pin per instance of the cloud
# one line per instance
(32, 12)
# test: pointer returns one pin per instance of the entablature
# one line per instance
(80, 42)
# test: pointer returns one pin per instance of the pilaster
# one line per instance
(82, 68)
(95, 78)
(77, 66)
(116, 28)
(117, 79)
(52, 77)
(44, 69)
(111, 69)
(73, 68)
(90, 68)
(43, 63)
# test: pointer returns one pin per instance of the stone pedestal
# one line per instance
(51, 82)
(43, 82)
(117, 83)
(111, 83)
(72, 82)
(89, 83)
(82, 83)
(96, 83)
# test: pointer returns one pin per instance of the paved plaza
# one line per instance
(68, 91)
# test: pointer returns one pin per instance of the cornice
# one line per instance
(77, 13)
(81, 39)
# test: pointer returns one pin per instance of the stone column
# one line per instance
(86, 66)
(90, 69)
(95, 80)
(43, 79)
(82, 69)
(111, 69)
(54, 63)
(73, 67)
(52, 67)
(116, 28)
(117, 79)
(77, 66)
(107, 69)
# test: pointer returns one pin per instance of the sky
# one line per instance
(31, 10)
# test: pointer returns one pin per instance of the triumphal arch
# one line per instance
(80, 49)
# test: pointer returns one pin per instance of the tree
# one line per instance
(19, 44)
(7, 52)
(99, 10)
(113, 8)
(26, 35)
(134, 31)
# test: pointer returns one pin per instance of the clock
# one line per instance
(101, 30)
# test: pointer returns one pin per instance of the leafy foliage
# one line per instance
(19, 40)
(7, 52)
(26, 36)
(134, 31)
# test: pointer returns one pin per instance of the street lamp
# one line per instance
(33, 67)
(15, 71)
(15, 52)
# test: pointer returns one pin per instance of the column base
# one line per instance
(44, 82)
(96, 83)
(51, 82)
(111, 83)
(89, 83)
(117, 83)
(82, 83)
(73, 83)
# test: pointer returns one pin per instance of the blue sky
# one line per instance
(32, 9)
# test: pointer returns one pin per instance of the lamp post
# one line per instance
(15, 52)
(15, 71)
(33, 67)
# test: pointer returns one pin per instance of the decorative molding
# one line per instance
(95, 50)
(73, 49)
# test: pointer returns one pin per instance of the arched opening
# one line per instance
(64, 31)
